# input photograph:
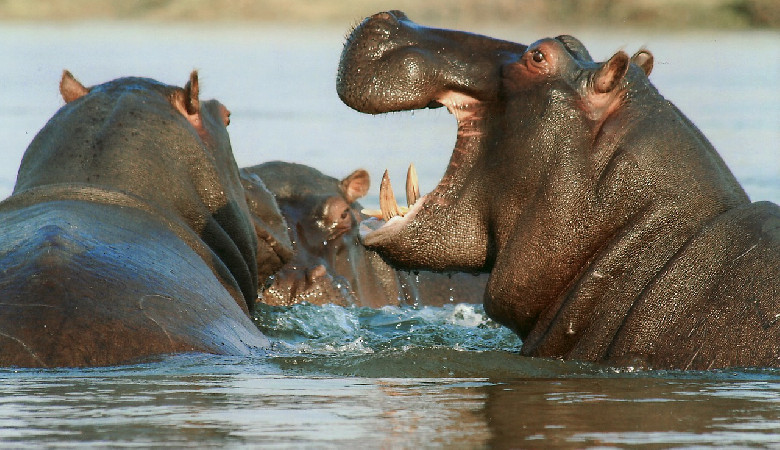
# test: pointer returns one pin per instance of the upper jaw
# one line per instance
(389, 64)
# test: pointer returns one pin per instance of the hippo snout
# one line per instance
(375, 34)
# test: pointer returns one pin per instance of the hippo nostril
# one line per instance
(387, 16)
(386, 21)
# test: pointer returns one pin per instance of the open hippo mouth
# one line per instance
(389, 63)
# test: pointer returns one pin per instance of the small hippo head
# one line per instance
(321, 215)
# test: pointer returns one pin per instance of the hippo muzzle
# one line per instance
(390, 63)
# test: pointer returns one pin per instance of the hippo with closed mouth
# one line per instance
(127, 234)
(329, 265)
(612, 230)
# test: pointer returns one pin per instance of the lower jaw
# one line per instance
(375, 231)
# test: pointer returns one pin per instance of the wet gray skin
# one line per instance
(611, 228)
(127, 235)
(330, 265)
(274, 248)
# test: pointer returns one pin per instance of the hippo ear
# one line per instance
(644, 59)
(356, 185)
(70, 88)
(610, 73)
(191, 91)
(186, 100)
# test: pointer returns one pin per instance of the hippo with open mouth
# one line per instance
(127, 235)
(612, 230)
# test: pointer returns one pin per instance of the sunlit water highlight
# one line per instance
(394, 377)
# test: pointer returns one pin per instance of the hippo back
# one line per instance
(77, 291)
(127, 235)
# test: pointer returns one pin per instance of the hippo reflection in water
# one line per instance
(127, 234)
(612, 230)
(330, 265)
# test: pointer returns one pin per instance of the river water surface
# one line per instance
(394, 377)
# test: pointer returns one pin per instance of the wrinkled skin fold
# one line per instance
(127, 235)
(611, 228)
(274, 248)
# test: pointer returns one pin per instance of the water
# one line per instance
(395, 377)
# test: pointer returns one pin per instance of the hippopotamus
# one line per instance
(330, 266)
(274, 248)
(612, 230)
(127, 234)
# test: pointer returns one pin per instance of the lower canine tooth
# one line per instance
(412, 186)
(387, 202)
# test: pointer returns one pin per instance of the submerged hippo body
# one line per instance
(330, 265)
(127, 234)
(612, 230)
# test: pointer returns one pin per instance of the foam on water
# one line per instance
(313, 329)
(454, 340)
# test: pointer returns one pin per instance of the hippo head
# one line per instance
(555, 155)
(389, 63)
(162, 146)
(519, 109)
(321, 214)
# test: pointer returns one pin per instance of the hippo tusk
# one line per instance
(412, 186)
(389, 207)
(387, 203)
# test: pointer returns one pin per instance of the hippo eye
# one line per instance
(537, 56)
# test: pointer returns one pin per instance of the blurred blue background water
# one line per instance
(279, 84)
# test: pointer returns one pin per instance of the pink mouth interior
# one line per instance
(464, 108)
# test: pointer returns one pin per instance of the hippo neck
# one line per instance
(582, 322)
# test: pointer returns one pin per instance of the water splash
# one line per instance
(308, 328)
(398, 341)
